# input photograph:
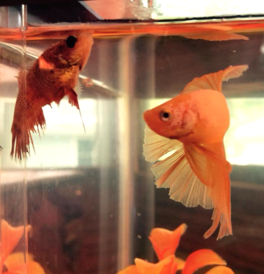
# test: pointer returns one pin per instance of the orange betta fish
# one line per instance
(53, 76)
(191, 126)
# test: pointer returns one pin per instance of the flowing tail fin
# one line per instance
(214, 172)
(21, 133)
(195, 174)
(220, 194)
(174, 171)
(28, 117)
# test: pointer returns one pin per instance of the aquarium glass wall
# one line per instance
(92, 183)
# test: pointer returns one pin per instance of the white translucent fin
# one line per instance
(156, 146)
(213, 81)
(174, 171)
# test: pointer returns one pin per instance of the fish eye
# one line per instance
(70, 41)
(165, 115)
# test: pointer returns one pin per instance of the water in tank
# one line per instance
(131, 137)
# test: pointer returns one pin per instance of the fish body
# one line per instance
(192, 126)
(200, 116)
(53, 76)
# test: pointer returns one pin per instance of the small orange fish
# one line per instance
(191, 126)
(53, 76)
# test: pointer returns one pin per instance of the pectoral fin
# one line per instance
(43, 64)
(156, 146)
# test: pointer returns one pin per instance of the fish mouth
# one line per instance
(152, 121)
(148, 118)
(145, 115)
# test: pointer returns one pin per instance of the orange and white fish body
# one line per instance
(191, 126)
(53, 76)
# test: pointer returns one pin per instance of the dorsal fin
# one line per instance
(213, 81)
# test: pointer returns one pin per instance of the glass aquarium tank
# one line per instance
(92, 182)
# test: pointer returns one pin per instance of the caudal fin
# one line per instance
(220, 194)
(214, 171)
(173, 171)
(195, 174)
(21, 133)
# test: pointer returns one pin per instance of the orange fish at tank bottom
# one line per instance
(165, 243)
(191, 126)
(53, 76)
(14, 262)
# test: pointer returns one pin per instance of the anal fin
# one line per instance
(72, 96)
(73, 100)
